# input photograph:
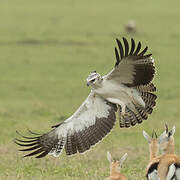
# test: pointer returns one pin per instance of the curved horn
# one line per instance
(155, 134)
(166, 127)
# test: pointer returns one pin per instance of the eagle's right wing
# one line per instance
(88, 125)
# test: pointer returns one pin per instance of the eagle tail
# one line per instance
(148, 96)
(146, 88)
(149, 99)
(132, 117)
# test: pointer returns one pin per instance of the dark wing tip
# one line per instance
(124, 39)
(126, 46)
(117, 57)
(37, 151)
(120, 46)
(26, 143)
(33, 132)
(137, 49)
(26, 136)
(143, 51)
(132, 47)
(117, 40)
(147, 56)
(59, 124)
(39, 145)
(42, 155)
(31, 144)
(128, 50)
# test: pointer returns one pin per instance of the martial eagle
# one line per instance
(127, 89)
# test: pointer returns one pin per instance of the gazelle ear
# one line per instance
(172, 131)
(147, 137)
(123, 158)
(109, 157)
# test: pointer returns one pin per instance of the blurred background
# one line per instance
(47, 49)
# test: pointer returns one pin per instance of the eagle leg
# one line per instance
(122, 112)
(138, 102)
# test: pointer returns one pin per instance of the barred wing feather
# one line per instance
(88, 125)
(132, 68)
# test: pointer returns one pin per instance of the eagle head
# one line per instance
(94, 79)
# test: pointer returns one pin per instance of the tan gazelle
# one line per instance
(161, 167)
(153, 141)
(115, 166)
(153, 144)
(169, 163)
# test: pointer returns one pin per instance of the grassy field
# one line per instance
(47, 50)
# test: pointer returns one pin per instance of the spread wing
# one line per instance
(132, 68)
(88, 125)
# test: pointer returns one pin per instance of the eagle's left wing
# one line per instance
(88, 125)
(133, 72)
(132, 68)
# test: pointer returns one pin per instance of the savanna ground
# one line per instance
(47, 50)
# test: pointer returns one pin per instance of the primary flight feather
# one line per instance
(127, 89)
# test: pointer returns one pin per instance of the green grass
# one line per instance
(47, 50)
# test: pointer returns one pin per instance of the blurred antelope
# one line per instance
(131, 26)
(115, 167)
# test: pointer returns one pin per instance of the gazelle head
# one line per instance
(164, 143)
(166, 140)
(153, 143)
(115, 165)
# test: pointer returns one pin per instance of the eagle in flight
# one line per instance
(127, 90)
